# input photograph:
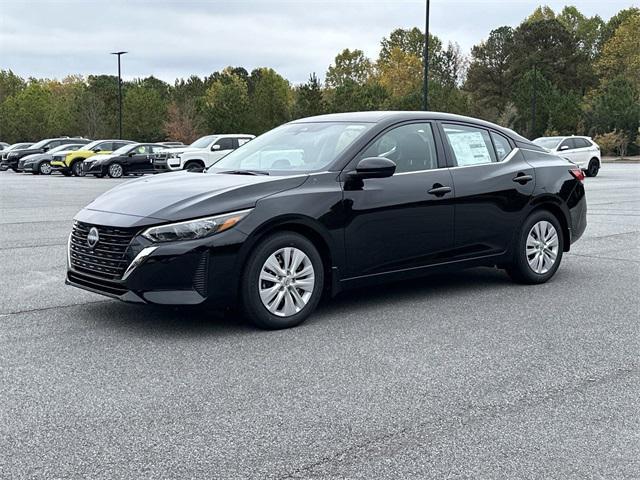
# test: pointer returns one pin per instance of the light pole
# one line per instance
(425, 61)
(119, 54)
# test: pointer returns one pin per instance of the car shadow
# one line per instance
(199, 321)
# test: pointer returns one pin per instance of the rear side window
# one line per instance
(502, 146)
(581, 143)
(106, 146)
(469, 145)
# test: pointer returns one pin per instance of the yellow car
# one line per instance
(71, 163)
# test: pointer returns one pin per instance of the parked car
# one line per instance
(4, 145)
(4, 165)
(71, 163)
(128, 159)
(201, 154)
(14, 155)
(582, 151)
(329, 203)
(40, 163)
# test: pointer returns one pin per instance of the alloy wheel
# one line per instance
(542, 247)
(77, 169)
(286, 281)
(45, 168)
(115, 170)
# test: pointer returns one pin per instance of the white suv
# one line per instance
(201, 154)
(580, 150)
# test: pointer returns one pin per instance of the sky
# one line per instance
(173, 39)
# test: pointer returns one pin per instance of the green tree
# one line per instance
(349, 67)
(587, 30)
(621, 54)
(27, 114)
(489, 77)
(616, 106)
(144, 113)
(227, 104)
(523, 93)
(309, 100)
(10, 84)
(271, 100)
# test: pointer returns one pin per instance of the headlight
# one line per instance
(174, 155)
(194, 229)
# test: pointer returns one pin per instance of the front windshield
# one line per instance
(40, 144)
(122, 150)
(294, 147)
(64, 147)
(92, 145)
(548, 142)
(16, 146)
(204, 141)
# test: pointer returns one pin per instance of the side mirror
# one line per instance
(564, 147)
(97, 149)
(375, 167)
(131, 154)
(45, 148)
(215, 147)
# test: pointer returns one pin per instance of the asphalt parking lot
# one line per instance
(464, 375)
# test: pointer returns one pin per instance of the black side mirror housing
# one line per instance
(375, 167)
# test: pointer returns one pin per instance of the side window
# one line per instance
(470, 145)
(581, 143)
(412, 147)
(242, 141)
(55, 144)
(225, 143)
(502, 145)
(105, 146)
(117, 145)
(568, 142)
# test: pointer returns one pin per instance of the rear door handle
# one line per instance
(439, 190)
(522, 179)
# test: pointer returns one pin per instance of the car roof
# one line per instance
(393, 116)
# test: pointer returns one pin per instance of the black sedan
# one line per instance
(328, 203)
(129, 159)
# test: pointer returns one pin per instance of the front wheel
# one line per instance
(594, 168)
(76, 169)
(116, 170)
(282, 281)
(538, 250)
(45, 168)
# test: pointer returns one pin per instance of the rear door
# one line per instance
(406, 220)
(493, 184)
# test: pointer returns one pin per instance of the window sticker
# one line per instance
(469, 148)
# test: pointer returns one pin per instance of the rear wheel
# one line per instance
(45, 168)
(116, 170)
(282, 281)
(538, 250)
(593, 168)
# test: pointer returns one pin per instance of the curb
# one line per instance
(622, 161)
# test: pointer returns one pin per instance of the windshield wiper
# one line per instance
(246, 172)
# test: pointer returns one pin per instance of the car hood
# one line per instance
(183, 195)
(34, 157)
(94, 158)
(24, 151)
(181, 150)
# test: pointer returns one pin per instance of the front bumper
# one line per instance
(93, 168)
(176, 273)
(59, 166)
(9, 163)
(166, 165)
(27, 167)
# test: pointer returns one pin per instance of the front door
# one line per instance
(406, 220)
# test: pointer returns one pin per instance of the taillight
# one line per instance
(577, 173)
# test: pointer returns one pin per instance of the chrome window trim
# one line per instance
(505, 160)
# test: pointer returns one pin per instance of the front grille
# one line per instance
(96, 284)
(107, 258)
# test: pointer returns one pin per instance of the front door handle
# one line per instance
(439, 190)
(522, 178)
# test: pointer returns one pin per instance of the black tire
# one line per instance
(519, 269)
(44, 168)
(593, 168)
(76, 169)
(115, 170)
(253, 308)
(194, 166)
